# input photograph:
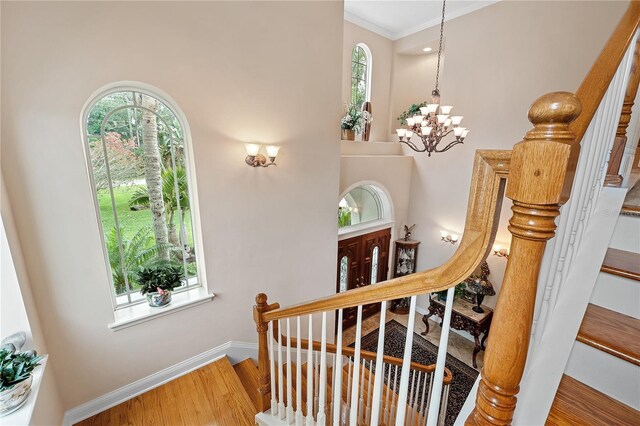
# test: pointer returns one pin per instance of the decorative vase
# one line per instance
(348, 135)
(158, 300)
(366, 132)
(11, 399)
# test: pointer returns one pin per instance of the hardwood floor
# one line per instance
(211, 395)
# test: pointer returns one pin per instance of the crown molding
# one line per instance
(368, 25)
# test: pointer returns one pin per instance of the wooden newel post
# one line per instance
(264, 376)
(540, 170)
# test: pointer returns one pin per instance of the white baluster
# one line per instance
(337, 377)
(347, 408)
(406, 365)
(394, 396)
(379, 379)
(298, 374)
(369, 395)
(438, 376)
(316, 378)
(412, 386)
(361, 400)
(353, 415)
(272, 368)
(281, 411)
(309, 419)
(289, 386)
(443, 409)
(321, 418)
(385, 415)
(424, 395)
(429, 395)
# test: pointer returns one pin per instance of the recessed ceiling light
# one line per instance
(427, 49)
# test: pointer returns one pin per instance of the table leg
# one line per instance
(476, 349)
(425, 320)
(484, 339)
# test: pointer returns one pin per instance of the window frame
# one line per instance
(367, 74)
(189, 159)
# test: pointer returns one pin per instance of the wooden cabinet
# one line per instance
(362, 261)
(404, 263)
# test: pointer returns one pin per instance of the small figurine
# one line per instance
(407, 231)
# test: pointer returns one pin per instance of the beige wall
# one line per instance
(497, 61)
(381, 53)
(264, 229)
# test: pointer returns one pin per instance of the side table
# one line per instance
(463, 318)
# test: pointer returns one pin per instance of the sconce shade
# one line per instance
(272, 150)
(252, 148)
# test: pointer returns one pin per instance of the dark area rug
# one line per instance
(425, 352)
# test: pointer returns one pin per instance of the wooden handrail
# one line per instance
(490, 171)
(595, 84)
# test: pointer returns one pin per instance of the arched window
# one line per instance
(364, 204)
(360, 74)
(138, 160)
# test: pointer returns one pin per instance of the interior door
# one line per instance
(362, 261)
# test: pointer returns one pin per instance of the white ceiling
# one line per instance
(395, 19)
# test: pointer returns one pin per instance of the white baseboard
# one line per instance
(235, 351)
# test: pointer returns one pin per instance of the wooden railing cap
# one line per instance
(555, 108)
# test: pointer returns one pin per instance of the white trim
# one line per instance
(364, 228)
(395, 35)
(142, 312)
(368, 25)
(235, 351)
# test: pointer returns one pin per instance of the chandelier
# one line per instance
(434, 122)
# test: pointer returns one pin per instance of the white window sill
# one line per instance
(140, 313)
(363, 228)
(22, 416)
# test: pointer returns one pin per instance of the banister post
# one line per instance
(264, 375)
(538, 173)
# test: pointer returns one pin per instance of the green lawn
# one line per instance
(130, 221)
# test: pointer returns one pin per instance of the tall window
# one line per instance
(140, 175)
(360, 74)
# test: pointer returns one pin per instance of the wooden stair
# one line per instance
(622, 263)
(247, 372)
(611, 332)
(579, 404)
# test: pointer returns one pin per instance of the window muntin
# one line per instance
(360, 205)
(115, 135)
(360, 75)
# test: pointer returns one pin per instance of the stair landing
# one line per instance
(212, 394)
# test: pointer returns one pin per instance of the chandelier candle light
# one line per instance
(434, 122)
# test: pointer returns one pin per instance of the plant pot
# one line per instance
(13, 398)
(158, 300)
(348, 135)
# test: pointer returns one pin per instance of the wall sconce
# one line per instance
(254, 159)
(449, 238)
(500, 251)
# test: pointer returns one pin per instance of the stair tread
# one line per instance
(611, 332)
(622, 263)
(578, 404)
(247, 372)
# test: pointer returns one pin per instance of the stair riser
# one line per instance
(626, 234)
(618, 294)
(610, 375)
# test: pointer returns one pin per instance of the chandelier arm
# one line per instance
(446, 148)
(413, 146)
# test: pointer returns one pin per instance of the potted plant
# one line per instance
(158, 279)
(16, 370)
(351, 122)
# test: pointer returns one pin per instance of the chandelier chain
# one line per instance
(444, 2)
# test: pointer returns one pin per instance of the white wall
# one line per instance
(271, 230)
(497, 61)
(381, 54)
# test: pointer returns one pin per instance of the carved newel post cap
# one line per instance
(261, 299)
(556, 107)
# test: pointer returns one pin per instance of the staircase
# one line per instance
(601, 384)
